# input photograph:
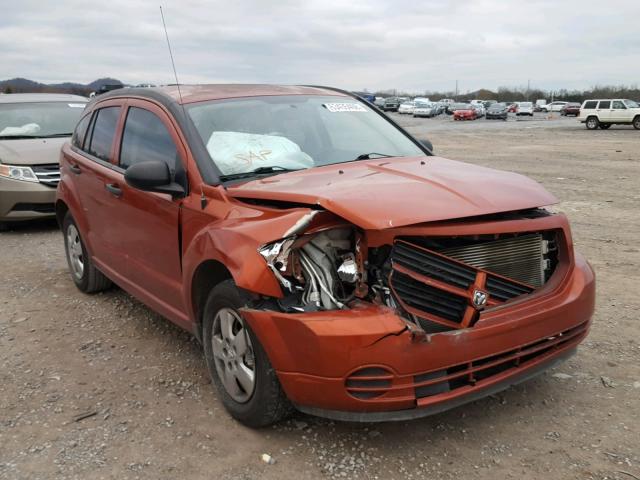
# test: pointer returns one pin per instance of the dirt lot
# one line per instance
(155, 415)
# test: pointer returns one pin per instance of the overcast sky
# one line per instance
(409, 45)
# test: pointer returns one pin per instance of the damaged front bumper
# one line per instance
(364, 364)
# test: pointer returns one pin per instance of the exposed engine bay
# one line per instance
(436, 283)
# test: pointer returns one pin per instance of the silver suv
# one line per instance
(604, 113)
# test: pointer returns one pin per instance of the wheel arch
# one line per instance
(206, 276)
(61, 210)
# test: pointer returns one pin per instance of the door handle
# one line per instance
(113, 189)
(75, 169)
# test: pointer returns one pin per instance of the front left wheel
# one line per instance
(239, 367)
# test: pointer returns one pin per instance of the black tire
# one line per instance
(90, 280)
(592, 123)
(604, 126)
(267, 403)
(636, 123)
(4, 227)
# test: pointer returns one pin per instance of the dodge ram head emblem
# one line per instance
(479, 299)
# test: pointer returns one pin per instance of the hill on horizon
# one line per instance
(24, 85)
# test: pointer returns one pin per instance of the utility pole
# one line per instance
(456, 97)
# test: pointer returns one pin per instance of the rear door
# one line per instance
(149, 222)
(604, 110)
(90, 163)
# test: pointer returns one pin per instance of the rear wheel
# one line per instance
(592, 123)
(238, 365)
(636, 123)
(604, 126)
(85, 275)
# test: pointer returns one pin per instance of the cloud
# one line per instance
(358, 44)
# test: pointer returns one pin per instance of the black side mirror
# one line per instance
(427, 144)
(152, 176)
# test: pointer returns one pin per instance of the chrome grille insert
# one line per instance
(47, 174)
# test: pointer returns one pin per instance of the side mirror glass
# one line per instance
(152, 176)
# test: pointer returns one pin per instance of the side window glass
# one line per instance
(146, 138)
(104, 130)
(618, 105)
(605, 104)
(81, 130)
(590, 104)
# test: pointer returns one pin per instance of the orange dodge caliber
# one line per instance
(326, 260)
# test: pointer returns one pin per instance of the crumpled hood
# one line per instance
(385, 193)
(33, 151)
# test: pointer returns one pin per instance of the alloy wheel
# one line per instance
(74, 249)
(233, 354)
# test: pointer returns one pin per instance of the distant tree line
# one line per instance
(507, 94)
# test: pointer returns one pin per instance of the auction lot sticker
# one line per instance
(344, 107)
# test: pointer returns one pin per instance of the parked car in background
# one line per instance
(480, 110)
(426, 109)
(379, 102)
(391, 104)
(33, 127)
(451, 107)
(512, 108)
(570, 109)
(607, 112)
(464, 111)
(369, 97)
(432, 284)
(553, 106)
(525, 108)
(497, 111)
(488, 103)
(406, 107)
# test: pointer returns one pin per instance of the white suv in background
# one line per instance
(553, 106)
(604, 113)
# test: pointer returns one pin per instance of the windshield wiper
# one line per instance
(22, 137)
(270, 170)
(369, 156)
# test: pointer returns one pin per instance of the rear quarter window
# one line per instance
(590, 104)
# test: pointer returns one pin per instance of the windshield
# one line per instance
(525, 104)
(294, 132)
(498, 106)
(461, 106)
(39, 120)
(631, 104)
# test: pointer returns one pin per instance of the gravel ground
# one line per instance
(101, 387)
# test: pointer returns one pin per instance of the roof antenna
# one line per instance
(203, 200)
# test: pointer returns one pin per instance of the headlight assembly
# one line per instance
(18, 173)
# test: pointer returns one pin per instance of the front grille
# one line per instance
(429, 299)
(47, 174)
(439, 283)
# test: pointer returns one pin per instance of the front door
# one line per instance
(619, 112)
(149, 222)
